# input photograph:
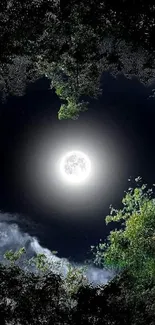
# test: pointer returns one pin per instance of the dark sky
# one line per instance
(121, 124)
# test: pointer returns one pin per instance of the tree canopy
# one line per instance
(72, 44)
(132, 247)
(28, 298)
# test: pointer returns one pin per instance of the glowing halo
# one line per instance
(75, 167)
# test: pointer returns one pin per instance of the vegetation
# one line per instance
(132, 248)
(48, 297)
(75, 42)
(72, 45)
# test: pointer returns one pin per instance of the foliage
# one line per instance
(75, 279)
(131, 248)
(11, 256)
(31, 299)
(67, 88)
(81, 39)
(72, 281)
(27, 298)
(71, 110)
(128, 299)
(69, 285)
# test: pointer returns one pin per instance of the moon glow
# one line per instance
(75, 167)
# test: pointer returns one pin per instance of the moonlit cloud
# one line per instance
(13, 237)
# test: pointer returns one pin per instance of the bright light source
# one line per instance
(75, 167)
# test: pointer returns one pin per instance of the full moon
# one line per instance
(75, 167)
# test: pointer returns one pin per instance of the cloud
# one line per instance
(12, 236)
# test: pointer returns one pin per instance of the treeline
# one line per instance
(30, 299)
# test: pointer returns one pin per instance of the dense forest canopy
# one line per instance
(72, 44)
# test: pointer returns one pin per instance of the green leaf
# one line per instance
(132, 247)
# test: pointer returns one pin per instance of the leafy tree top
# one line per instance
(132, 247)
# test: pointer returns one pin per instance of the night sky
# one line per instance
(118, 133)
